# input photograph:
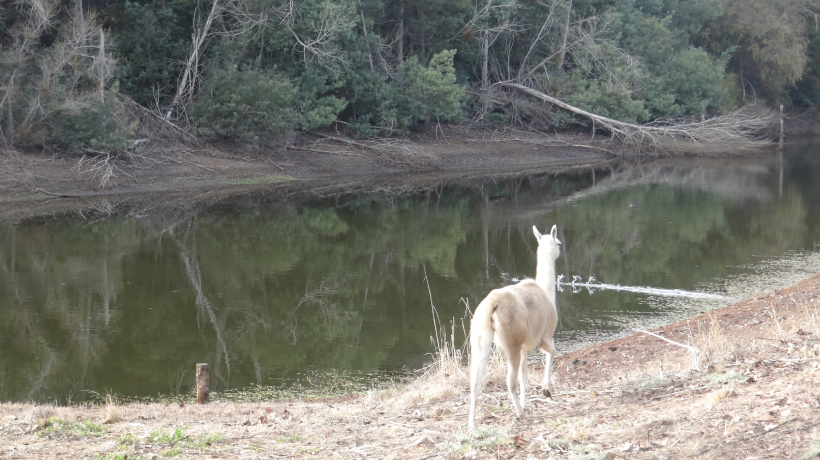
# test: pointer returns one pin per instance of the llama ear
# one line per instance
(554, 232)
(537, 234)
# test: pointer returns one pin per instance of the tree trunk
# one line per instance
(742, 83)
(364, 29)
(197, 39)
(563, 54)
(400, 38)
(101, 57)
(485, 74)
(10, 114)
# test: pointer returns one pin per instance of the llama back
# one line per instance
(516, 312)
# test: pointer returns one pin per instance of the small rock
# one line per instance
(609, 456)
(424, 441)
(470, 456)
(626, 447)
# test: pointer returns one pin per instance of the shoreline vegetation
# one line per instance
(750, 390)
(113, 92)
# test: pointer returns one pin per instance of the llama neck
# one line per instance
(545, 277)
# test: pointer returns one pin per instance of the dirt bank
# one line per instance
(753, 392)
(309, 161)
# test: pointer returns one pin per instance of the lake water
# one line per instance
(264, 287)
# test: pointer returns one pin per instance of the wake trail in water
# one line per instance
(591, 285)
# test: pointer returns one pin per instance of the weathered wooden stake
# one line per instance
(781, 126)
(203, 383)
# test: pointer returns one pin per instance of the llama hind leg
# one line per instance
(548, 347)
(480, 352)
(513, 366)
(522, 379)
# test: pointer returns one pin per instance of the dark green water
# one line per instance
(262, 287)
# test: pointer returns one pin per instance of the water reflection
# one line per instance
(262, 288)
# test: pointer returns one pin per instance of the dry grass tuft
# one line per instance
(41, 414)
(717, 396)
(444, 376)
(112, 411)
(717, 348)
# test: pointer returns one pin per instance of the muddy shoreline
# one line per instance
(420, 162)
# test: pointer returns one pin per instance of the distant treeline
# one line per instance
(246, 68)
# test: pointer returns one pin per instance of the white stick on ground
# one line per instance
(695, 351)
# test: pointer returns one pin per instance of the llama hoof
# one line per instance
(547, 393)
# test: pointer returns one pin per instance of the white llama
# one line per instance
(518, 318)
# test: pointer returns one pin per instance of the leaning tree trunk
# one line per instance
(198, 40)
(735, 130)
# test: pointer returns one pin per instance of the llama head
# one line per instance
(548, 245)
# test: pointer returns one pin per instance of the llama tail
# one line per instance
(481, 342)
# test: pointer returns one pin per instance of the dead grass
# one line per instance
(112, 412)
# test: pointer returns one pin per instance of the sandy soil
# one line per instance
(753, 392)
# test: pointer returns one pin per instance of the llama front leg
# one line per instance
(548, 347)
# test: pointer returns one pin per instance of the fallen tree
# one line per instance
(734, 131)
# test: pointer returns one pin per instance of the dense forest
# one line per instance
(71, 71)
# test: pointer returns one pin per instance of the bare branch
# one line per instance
(320, 38)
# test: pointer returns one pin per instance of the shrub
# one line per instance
(421, 93)
(608, 100)
(244, 103)
(90, 123)
(151, 43)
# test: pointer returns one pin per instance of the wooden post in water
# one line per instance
(203, 383)
(781, 126)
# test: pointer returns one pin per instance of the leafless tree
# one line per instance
(199, 38)
(315, 40)
(25, 37)
(76, 66)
